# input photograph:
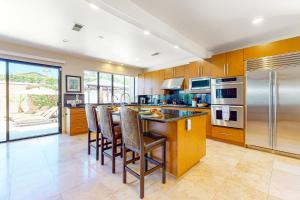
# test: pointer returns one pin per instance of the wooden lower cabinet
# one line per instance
(230, 135)
(76, 121)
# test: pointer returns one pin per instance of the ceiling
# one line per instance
(44, 23)
(198, 28)
(221, 25)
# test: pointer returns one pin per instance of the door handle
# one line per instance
(275, 109)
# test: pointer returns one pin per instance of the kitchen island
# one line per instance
(186, 145)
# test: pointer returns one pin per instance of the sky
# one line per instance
(18, 68)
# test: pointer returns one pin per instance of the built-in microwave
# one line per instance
(200, 85)
(227, 91)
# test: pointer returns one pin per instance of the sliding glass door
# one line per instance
(34, 100)
(3, 101)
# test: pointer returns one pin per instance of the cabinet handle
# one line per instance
(224, 69)
(201, 70)
(173, 72)
(198, 70)
(227, 134)
(227, 68)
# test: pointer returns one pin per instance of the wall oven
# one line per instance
(200, 85)
(227, 91)
(227, 115)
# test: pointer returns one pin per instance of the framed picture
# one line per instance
(73, 83)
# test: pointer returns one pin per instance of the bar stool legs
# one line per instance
(164, 160)
(89, 142)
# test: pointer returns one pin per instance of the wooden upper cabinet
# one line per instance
(141, 84)
(235, 63)
(205, 68)
(168, 73)
(157, 80)
(218, 67)
(148, 83)
(191, 71)
(273, 48)
(179, 71)
(228, 64)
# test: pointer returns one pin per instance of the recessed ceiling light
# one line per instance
(146, 32)
(155, 54)
(257, 20)
(176, 47)
(93, 6)
(65, 40)
(101, 37)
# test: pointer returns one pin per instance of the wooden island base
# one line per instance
(184, 148)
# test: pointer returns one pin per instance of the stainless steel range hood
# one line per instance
(172, 84)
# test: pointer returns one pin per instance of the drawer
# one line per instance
(229, 134)
(77, 111)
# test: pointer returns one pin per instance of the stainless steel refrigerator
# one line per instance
(273, 103)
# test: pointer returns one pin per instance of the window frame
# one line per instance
(112, 85)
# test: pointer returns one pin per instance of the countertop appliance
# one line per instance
(273, 103)
(227, 91)
(200, 85)
(227, 115)
(173, 84)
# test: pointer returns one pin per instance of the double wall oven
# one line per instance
(227, 98)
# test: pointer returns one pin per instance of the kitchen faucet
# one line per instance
(123, 96)
(113, 98)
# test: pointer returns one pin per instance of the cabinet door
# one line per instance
(141, 84)
(157, 80)
(218, 65)
(235, 61)
(205, 68)
(148, 83)
(191, 71)
(179, 71)
(168, 73)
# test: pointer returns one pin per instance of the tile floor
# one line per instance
(58, 168)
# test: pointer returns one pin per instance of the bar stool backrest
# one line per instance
(91, 117)
(131, 129)
(105, 122)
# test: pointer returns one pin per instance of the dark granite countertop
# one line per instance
(162, 106)
(169, 115)
(172, 115)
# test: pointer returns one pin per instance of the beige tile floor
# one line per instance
(58, 168)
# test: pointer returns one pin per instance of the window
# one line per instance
(90, 86)
(118, 88)
(129, 89)
(101, 87)
(105, 89)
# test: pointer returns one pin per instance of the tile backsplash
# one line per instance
(180, 97)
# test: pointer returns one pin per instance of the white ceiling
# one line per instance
(199, 28)
(46, 23)
(220, 25)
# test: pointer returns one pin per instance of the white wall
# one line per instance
(72, 65)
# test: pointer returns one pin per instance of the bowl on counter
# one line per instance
(202, 104)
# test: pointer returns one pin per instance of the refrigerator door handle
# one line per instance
(271, 109)
(275, 102)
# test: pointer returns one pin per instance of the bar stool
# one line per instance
(93, 126)
(141, 143)
(111, 136)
